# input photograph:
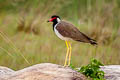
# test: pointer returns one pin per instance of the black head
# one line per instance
(54, 18)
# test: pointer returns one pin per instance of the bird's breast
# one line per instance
(60, 35)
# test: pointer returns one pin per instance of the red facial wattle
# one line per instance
(52, 19)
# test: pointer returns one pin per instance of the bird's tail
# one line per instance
(93, 42)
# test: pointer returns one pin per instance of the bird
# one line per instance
(67, 32)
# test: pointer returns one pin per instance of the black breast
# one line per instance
(54, 23)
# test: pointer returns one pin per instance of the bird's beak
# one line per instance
(50, 20)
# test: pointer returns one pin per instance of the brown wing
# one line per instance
(68, 30)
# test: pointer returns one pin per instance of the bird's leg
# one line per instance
(66, 53)
(69, 53)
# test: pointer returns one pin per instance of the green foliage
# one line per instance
(92, 70)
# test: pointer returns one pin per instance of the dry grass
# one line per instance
(26, 38)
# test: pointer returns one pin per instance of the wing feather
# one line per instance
(68, 30)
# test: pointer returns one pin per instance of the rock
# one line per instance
(46, 71)
(4, 72)
(112, 72)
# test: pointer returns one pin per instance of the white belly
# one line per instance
(60, 36)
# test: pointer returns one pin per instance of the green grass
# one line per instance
(97, 19)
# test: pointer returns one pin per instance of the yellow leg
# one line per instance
(69, 53)
(66, 53)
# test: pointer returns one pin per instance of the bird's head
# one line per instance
(54, 18)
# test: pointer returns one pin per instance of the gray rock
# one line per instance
(112, 72)
(4, 72)
(46, 71)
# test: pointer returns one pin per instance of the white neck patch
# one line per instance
(58, 20)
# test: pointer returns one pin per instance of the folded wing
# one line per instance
(68, 30)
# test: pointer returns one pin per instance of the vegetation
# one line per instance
(26, 38)
(92, 70)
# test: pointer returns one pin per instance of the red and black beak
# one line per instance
(51, 19)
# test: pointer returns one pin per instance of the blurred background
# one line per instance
(26, 38)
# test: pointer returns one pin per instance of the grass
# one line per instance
(37, 42)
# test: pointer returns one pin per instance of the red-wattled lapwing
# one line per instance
(66, 31)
